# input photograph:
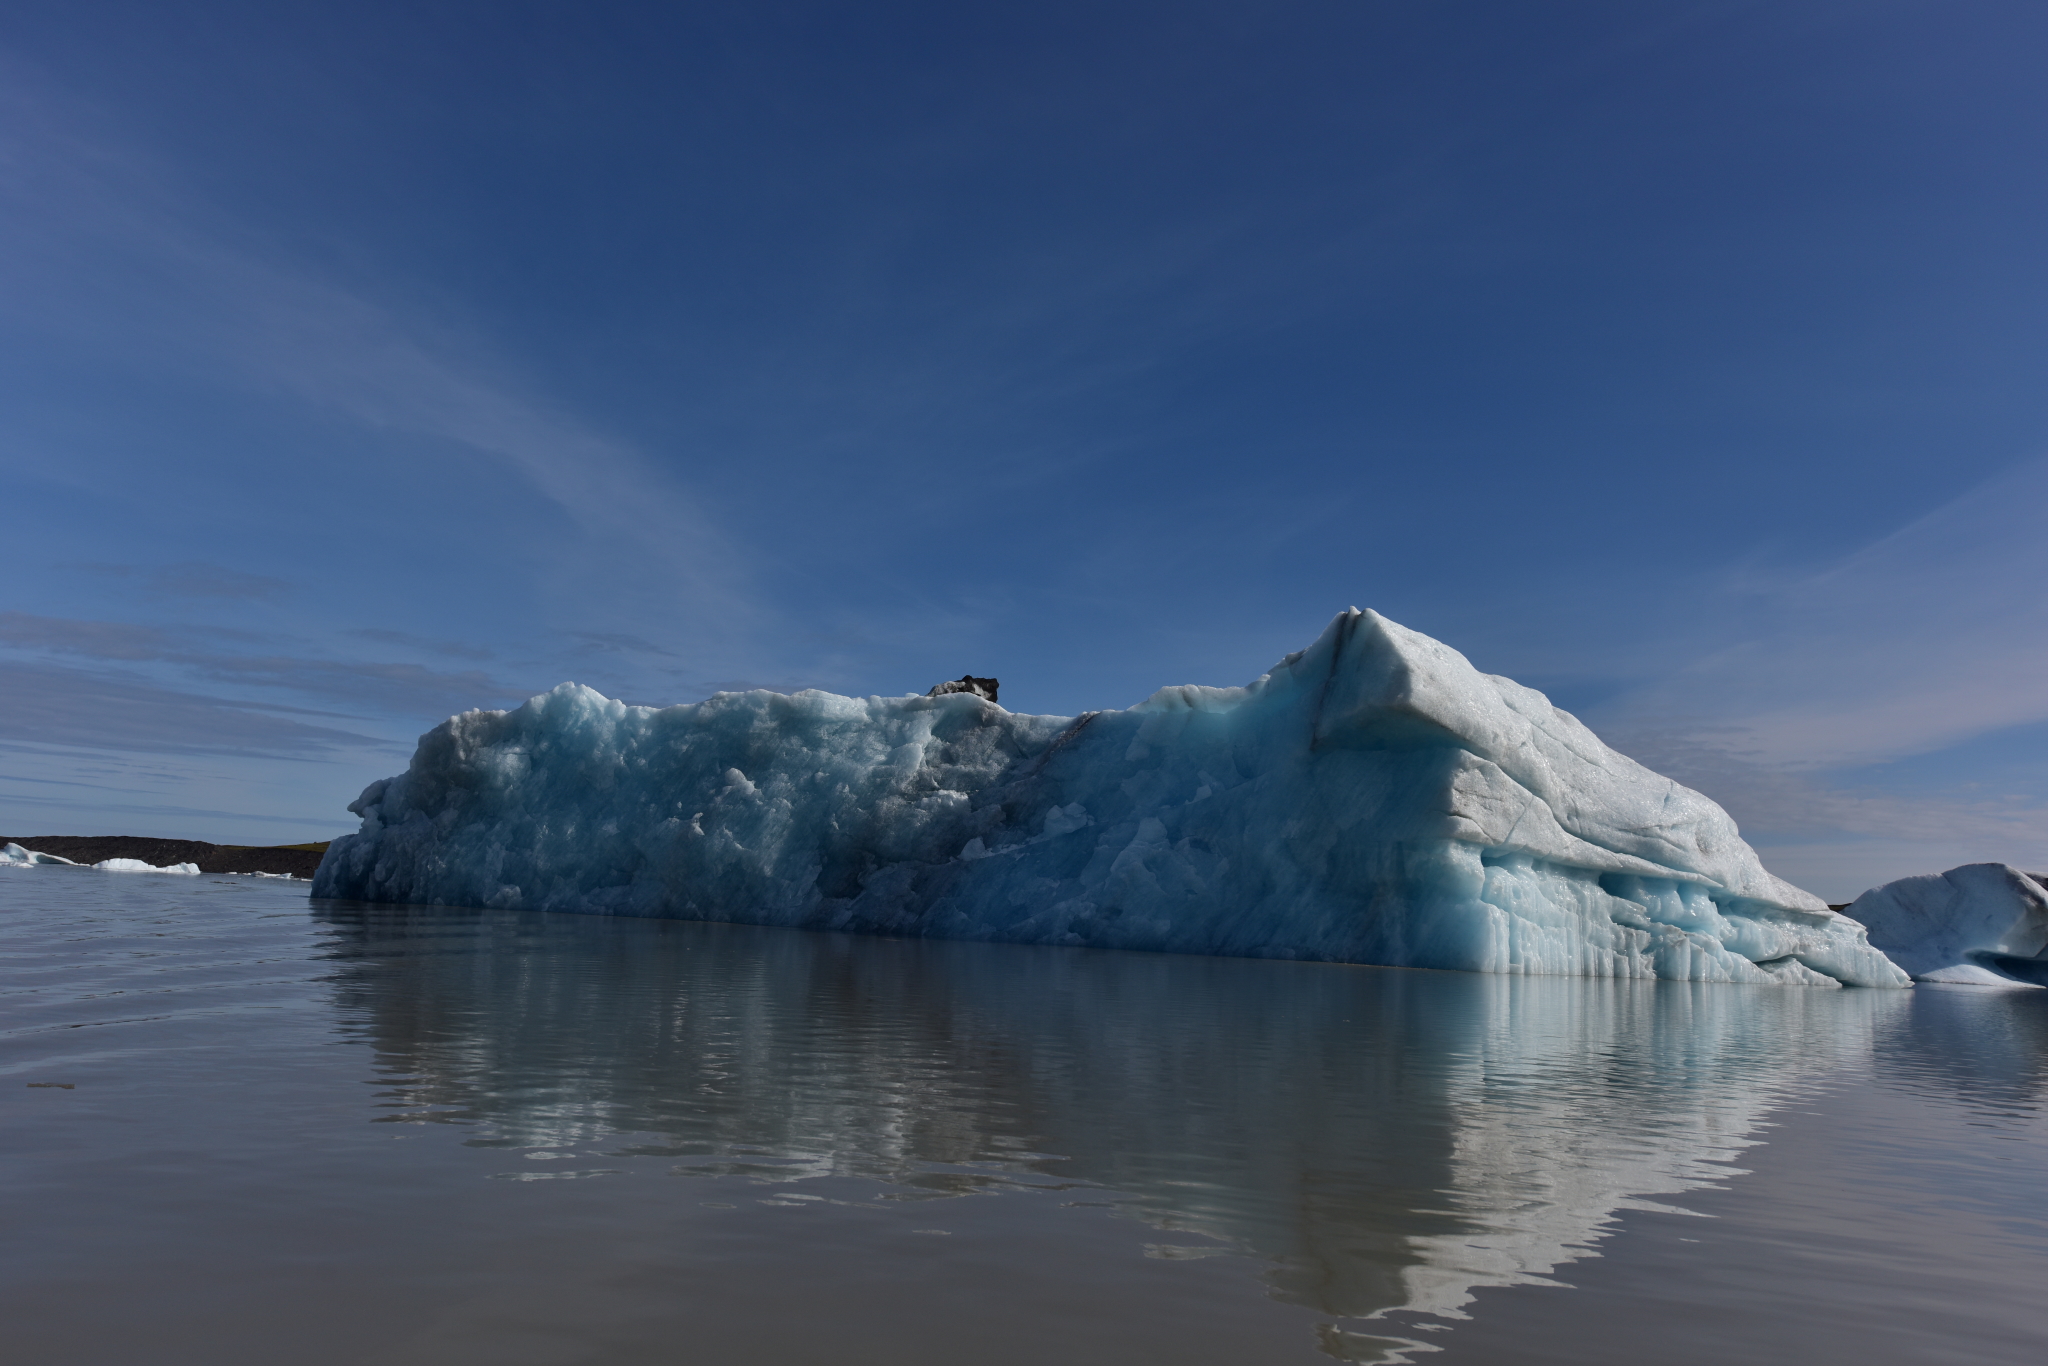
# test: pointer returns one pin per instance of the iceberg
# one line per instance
(1983, 924)
(1372, 799)
(13, 855)
(136, 865)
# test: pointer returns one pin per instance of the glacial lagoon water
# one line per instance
(237, 1126)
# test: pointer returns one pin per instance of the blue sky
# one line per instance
(363, 363)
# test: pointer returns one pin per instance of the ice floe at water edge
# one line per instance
(13, 855)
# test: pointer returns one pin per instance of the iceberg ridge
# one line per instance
(1372, 799)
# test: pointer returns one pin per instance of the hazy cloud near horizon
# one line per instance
(1929, 635)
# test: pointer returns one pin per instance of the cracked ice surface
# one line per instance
(1373, 799)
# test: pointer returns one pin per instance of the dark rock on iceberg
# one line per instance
(984, 688)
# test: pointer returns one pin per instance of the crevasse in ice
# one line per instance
(1373, 799)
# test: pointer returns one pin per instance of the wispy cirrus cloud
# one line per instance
(1917, 644)
(453, 648)
(196, 579)
(62, 705)
(1929, 635)
(619, 642)
(100, 238)
(1793, 803)
(376, 685)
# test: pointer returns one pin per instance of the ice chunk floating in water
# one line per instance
(16, 856)
(136, 865)
(1983, 924)
(1373, 799)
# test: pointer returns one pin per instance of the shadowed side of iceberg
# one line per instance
(1373, 799)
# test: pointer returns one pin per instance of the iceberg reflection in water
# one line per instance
(1383, 1141)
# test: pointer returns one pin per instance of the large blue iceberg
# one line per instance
(1373, 799)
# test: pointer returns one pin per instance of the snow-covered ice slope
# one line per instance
(1983, 924)
(1373, 799)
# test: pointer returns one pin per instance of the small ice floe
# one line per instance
(13, 855)
(136, 865)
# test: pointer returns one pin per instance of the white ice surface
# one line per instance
(136, 865)
(1983, 924)
(1373, 799)
(16, 856)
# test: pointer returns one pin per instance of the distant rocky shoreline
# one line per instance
(296, 860)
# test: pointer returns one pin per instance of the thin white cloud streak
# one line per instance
(1927, 637)
(220, 302)
(1931, 635)
(1793, 804)
(381, 686)
(355, 357)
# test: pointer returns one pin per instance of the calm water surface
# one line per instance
(334, 1133)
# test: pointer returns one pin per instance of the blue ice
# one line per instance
(1372, 799)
